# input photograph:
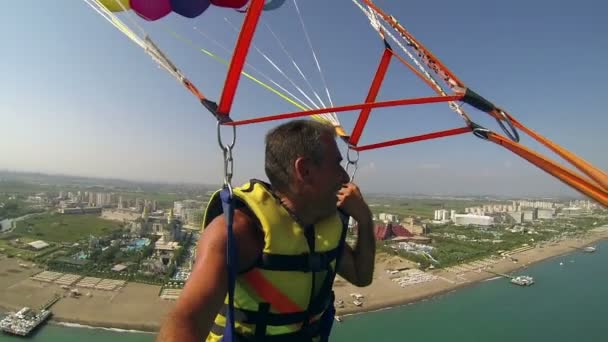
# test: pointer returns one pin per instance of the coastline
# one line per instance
(137, 307)
(385, 294)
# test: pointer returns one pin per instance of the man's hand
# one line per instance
(351, 201)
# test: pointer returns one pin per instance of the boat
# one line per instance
(589, 249)
(338, 318)
(523, 280)
(24, 321)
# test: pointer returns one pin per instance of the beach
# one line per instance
(138, 306)
(385, 293)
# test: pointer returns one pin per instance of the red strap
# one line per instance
(269, 293)
(240, 54)
(434, 135)
(371, 96)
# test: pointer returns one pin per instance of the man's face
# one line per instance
(328, 177)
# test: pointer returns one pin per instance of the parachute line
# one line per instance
(249, 76)
(296, 66)
(382, 30)
(279, 70)
(300, 103)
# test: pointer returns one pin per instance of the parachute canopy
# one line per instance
(157, 9)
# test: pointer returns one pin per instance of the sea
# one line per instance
(568, 302)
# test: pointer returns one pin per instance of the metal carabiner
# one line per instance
(353, 162)
(219, 137)
(511, 132)
(227, 154)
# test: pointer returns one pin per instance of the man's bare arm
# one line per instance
(203, 295)
(357, 265)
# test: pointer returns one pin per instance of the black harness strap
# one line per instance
(260, 327)
(303, 335)
(314, 262)
(275, 319)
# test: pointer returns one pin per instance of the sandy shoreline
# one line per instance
(385, 293)
(137, 307)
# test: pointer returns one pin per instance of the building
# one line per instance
(518, 216)
(103, 199)
(530, 215)
(545, 213)
(443, 215)
(414, 226)
(384, 217)
(38, 245)
(120, 215)
(180, 206)
(78, 210)
(472, 219)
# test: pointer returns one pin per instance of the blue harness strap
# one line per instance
(327, 320)
(232, 262)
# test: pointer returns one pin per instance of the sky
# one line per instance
(77, 97)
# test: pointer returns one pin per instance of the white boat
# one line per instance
(589, 249)
(24, 321)
(523, 280)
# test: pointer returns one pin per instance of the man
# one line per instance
(290, 239)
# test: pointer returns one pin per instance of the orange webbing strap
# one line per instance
(600, 177)
(565, 175)
(193, 90)
(425, 54)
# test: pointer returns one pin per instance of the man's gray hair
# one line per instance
(290, 141)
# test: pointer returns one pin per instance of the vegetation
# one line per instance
(16, 208)
(419, 207)
(55, 227)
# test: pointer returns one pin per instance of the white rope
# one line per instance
(314, 55)
(381, 28)
(145, 43)
(274, 65)
(223, 47)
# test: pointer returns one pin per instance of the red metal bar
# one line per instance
(240, 54)
(391, 103)
(371, 96)
(434, 135)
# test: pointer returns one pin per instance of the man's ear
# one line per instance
(302, 171)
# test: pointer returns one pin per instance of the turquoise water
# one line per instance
(138, 244)
(568, 302)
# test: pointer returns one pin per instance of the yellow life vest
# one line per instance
(273, 300)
